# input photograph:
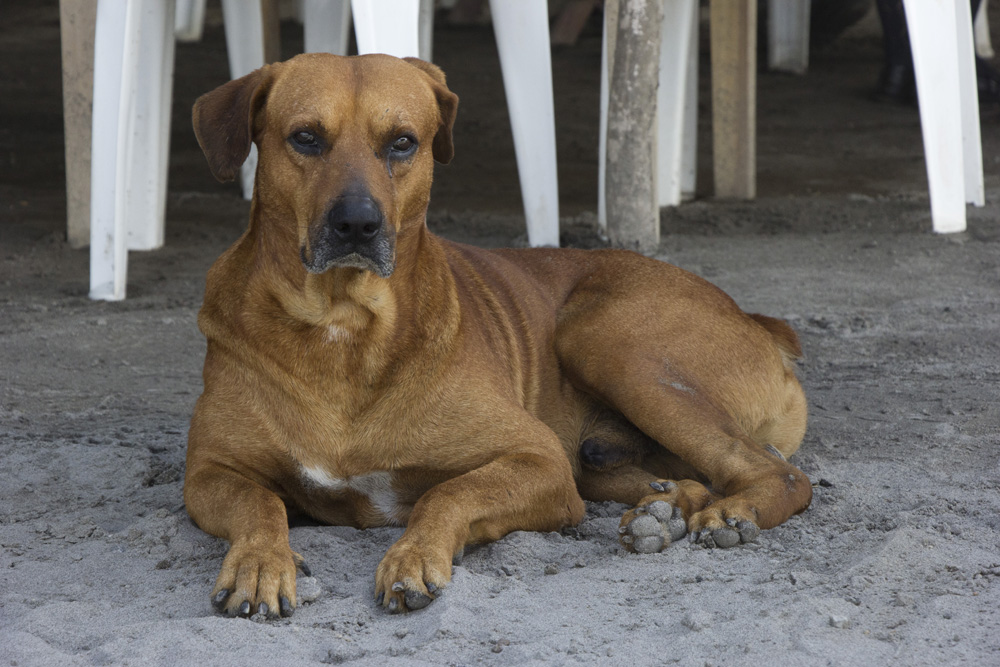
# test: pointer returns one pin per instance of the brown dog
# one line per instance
(364, 372)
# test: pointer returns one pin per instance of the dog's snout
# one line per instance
(352, 233)
(355, 219)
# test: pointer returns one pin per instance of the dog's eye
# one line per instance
(403, 146)
(305, 142)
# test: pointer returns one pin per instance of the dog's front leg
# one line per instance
(524, 491)
(258, 573)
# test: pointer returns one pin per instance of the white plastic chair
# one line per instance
(941, 38)
(133, 76)
(788, 35)
(189, 23)
(133, 79)
(981, 32)
(943, 46)
(944, 64)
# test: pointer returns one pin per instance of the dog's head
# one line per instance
(345, 150)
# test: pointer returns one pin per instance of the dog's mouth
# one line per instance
(379, 258)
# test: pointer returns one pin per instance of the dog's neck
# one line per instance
(350, 307)
(346, 302)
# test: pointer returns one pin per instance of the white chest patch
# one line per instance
(335, 334)
(376, 486)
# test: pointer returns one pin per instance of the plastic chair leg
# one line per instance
(190, 20)
(689, 137)
(133, 47)
(522, 34)
(244, 25)
(115, 45)
(326, 25)
(981, 30)
(941, 41)
(672, 102)
(149, 121)
(788, 35)
(425, 35)
(602, 138)
(387, 26)
(972, 143)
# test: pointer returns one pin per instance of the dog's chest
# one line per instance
(368, 499)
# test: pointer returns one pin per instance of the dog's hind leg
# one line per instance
(701, 402)
(751, 487)
(627, 484)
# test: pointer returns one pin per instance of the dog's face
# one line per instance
(345, 150)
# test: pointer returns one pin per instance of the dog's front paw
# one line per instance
(410, 578)
(257, 579)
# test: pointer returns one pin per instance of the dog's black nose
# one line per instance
(355, 219)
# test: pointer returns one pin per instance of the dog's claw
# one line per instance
(286, 607)
(219, 601)
(245, 608)
(663, 487)
(412, 599)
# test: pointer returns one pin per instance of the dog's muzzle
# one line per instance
(353, 234)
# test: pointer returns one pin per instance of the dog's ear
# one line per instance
(444, 148)
(223, 121)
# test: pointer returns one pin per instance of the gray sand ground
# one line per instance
(896, 562)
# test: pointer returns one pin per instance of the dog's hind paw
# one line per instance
(651, 528)
(735, 532)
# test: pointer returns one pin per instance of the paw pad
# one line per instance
(735, 532)
(652, 527)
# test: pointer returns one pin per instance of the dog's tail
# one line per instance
(784, 337)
